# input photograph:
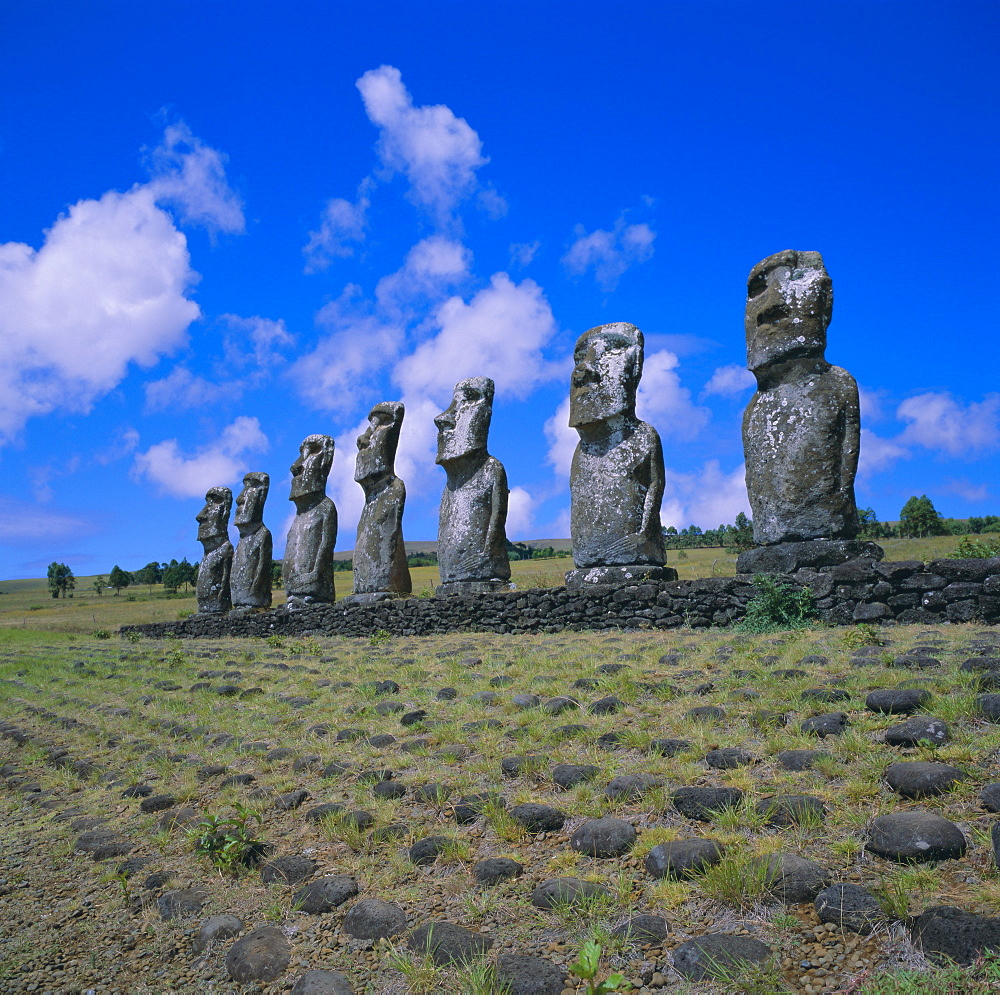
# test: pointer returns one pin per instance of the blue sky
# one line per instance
(226, 226)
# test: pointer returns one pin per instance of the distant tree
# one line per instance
(149, 575)
(60, 579)
(276, 573)
(118, 579)
(869, 527)
(99, 584)
(740, 536)
(920, 518)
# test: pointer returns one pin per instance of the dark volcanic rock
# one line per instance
(793, 879)
(703, 803)
(215, 928)
(525, 975)
(921, 729)
(180, 904)
(948, 934)
(668, 747)
(287, 870)
(790, 810)
(990, 797)
(719, 955)
(566, 891)
(320, 982)
(682, 858)
(800, 759)
(538, 818)
(325, 894)
(569, 775)
(642, 929)
(447, 943)
(919, 779)
(493, 870)
(850, 906)
(607, 837)
(728, 757)
(427, 850)
(915, 836)
(890, 701)
(829, 724)
(372, 919)
(262, 955)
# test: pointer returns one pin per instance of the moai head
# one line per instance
(465, 426)
(606, 375)
(377, 444)
(213, 519)
(310, 470)
(250, 502)
(789, 303)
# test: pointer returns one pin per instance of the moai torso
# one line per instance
(251, 574)
(212, 587)
(472, 536)
(380, 565)
(617, 476)
(308, 564)
(802, 429)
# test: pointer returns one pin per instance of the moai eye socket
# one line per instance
(773, 314)
(757, 285)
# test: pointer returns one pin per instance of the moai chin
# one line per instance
(616, 480)
(308, 565)
(380, 567)
(472, 537)
(251, 576)
(212, 588)
(802, 429)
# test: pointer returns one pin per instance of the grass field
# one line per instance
(28, 604)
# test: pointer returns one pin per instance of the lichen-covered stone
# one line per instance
(251, 574)
(212, 588)
(307, 568)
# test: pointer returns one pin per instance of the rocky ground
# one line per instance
(807, 812)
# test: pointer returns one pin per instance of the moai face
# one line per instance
(310, 470)
(789, 303)
(250, 502)
(213, 519)
(606, 375)
(465, 426)
(377, 444)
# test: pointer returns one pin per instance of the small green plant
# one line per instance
(230, 843)
(133, 637)
(777, 605)
(379, 638)
(864, 634)
(587, 965)
(977, 549)
(275, 642)
(185, 613)
(101, 634)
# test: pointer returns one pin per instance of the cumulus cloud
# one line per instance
(878, 454)
(500, 333)
(221, 462)
(938, 421)
(108, 287)
(191, 177)
(729, 381)
(664, 403)
(562, 440)
(342, 227)
(520, 514)
(522, 253)
(255, 341)
(708, 497)
(438, 152)
(609, 253)
(966, 489)
(432, 267)
(182, 390)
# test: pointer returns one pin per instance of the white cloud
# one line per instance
(432, 267)
(342, 225)
(609, 253)
(22, 522)
(124, 445)
(938, 421)
(871, 404)
(729, 381)
(664, 403)
(966, 489)
(500, 333)
(257, 341)
(191, 177)
(438, 152)
(182, 390)
(107, 288)
(522, 253)
(707, 498)
(520, 514)
(222, 462)
(562, 440)
(878, 454)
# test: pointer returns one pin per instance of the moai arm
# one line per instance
(654, 495)
(852, 436)
(496, 533)
(320, 562)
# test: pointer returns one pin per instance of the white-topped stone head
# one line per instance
(311, 469)
(464, 427)
(608, 366)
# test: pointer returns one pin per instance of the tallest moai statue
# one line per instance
(802, 429)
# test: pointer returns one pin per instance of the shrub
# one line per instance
(977, 549)
(230, 844)
(101, 634)
(777, 605)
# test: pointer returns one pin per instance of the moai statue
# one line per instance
(380, 568)
(802, 429)
(616, 479)
(212, 589)
(251, 579)
(472, 537)
(308, 565)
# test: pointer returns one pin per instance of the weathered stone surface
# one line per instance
(918, 730)
(682, 858)
(801, 430)
(920, 779)
(850, 906)
(538, 818)
(251, 575)
(947, 934)
(793, 879)
(379, 555)
(216, 928)
(493, 870)
(814, 554)
(566, 891)
(212, 588)
(719, 955)
(897, 701)
(525, 975)
(607, 837)
(320, 982)
(704, 803)
(447, 943)
(325, 894)
(373, 919)
(472, 536)
(262, 955)
(915, 836)
(617, 476)
(643, 929)
(307, 568)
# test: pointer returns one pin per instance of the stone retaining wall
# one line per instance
(858, 591)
